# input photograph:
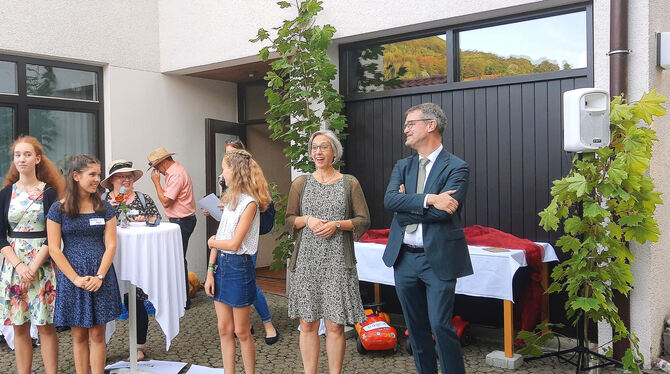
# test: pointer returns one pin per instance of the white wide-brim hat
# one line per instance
(120, 166)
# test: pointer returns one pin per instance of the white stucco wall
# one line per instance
(218, 31)
(147, 110)
(650, 304)
(120, 32)
(659, 266)
(143, 109)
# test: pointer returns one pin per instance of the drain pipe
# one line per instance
(618, 55)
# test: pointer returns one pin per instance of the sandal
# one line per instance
(143, 352)
(141, 355)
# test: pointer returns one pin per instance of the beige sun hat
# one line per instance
(157, 155)
(120, 166)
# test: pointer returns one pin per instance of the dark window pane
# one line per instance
(64, 134)
(535, 46)
(410, 63)
(62, 83)
(6, 138)
(255, 102)
(8, 77)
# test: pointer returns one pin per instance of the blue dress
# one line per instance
(84, 246)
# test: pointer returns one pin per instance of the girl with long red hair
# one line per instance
(28, 277)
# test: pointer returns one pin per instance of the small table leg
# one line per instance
(545, 296)
(132, 333)
(508, 308)
(378, 295)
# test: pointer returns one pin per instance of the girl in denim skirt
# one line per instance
(231, 276)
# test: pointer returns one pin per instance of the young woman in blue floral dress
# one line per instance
(28, 277)
(88, 293)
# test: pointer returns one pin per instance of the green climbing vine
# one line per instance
(606, 202)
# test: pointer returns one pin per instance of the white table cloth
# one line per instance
(493, 271)
(152, 259)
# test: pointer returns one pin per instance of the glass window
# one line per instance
(255, 102)
(535, 46)
(410, 63)
(8, 77)
(64, 134)
(60, 82)
(6, 138)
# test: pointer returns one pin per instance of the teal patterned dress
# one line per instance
(26, 214)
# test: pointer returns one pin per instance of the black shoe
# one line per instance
(272, 340)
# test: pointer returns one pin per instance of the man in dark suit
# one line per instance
(426, 246)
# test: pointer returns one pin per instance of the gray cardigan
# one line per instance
(356, 210)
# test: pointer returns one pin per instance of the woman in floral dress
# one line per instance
(28, 278)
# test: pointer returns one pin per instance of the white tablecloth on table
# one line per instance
(493, 271)
(152, 259)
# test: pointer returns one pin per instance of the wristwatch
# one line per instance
(337, 224)
(100, 276)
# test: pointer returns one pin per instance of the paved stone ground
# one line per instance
(198, 343)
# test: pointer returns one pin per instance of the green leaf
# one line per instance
(631, 220)
(614, 230)
(572, 225)
(595, 210)
(578, 184)
(284, 4)
(649, 105)
(568, 243)
(548, 220)
(586, 303)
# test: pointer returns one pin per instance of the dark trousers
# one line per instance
(142, 319)
(428, 303)
(186, 225)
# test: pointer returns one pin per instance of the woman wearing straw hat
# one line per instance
(119, 175)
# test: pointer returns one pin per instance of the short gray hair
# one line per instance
(332, 139)
(431, 111)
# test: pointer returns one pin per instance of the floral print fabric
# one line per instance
(26, 214)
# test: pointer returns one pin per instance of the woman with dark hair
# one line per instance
(88, 293)
(28, 277)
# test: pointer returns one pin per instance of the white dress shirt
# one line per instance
(416, 238)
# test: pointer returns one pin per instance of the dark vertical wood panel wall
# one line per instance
(511, 135)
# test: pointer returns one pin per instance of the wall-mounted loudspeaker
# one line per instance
(586, 120)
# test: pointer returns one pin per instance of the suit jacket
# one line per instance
(443, 238)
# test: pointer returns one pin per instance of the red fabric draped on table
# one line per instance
(529, 306)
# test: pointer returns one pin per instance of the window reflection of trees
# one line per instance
(6, 138)
(40, 81)
(483, 65)
(370, 77)
(402, 64)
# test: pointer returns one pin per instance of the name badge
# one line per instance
(96, 221)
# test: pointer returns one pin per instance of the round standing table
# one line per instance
(152, 259)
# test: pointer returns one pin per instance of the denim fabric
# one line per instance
(235, 280)
(261, 304)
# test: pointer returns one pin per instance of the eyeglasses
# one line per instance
(124, 176)
(322, 147)
(410, 124)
